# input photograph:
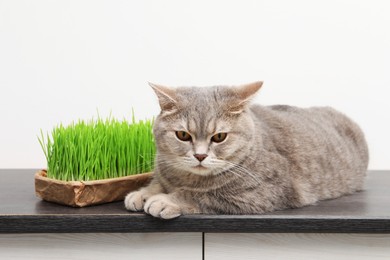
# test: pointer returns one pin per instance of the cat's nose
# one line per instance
(200, 157)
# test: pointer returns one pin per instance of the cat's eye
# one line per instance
(220, 137)
(183, 136)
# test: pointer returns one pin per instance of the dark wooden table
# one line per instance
(21, 212)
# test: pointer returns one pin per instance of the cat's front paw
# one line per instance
(135, 201)
(161, 206)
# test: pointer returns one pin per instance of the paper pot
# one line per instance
(87, 193)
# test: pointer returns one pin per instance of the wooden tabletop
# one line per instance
(21, 212)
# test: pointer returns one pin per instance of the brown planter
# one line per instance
(87, 193)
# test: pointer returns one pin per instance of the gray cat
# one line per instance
(218, 154)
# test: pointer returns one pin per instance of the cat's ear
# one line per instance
(166, 96)
(244, 95)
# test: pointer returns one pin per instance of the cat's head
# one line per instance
(204, 130)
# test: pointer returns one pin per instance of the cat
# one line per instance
(217, 153)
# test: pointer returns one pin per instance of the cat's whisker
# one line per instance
(242, 172)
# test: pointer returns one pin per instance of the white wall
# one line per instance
(64, 60)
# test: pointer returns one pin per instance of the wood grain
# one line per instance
(101, 246)
(297, 246)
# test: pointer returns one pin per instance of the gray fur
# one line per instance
(274, 157)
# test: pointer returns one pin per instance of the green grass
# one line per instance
(99, 149)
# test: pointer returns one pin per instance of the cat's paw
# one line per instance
(135, 201)
(161, 206)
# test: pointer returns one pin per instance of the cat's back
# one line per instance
(306, 123)
(322, 145)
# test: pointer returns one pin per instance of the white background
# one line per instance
(63, 60)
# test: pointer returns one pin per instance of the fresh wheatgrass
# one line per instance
(99, 149)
